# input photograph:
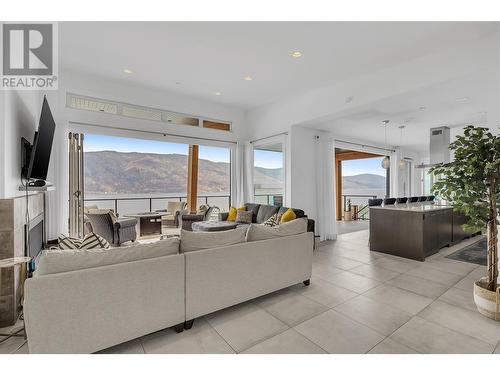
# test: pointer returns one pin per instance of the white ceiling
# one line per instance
(441, 108)
(200, 59)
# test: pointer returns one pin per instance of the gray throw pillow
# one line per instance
(244, 217)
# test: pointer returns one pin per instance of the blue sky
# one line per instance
(94, 142)
(359, 166)
(268, 159)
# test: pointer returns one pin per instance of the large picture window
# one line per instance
(132, 175)
(268, 174)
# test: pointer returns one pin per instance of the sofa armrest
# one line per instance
(125, 223)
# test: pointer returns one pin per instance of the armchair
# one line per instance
(204, 213)
(115, 230)
(172, 214)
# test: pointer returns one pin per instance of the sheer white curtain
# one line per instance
(243, 174)
(325, 188)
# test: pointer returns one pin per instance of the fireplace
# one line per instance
(34, 240)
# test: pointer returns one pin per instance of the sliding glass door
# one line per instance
(133, 175)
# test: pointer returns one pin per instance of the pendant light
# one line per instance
(402, 162)
(386, 162)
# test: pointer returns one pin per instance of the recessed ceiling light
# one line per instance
(127, 71)
(296, 54)
(248, 78)
(462, 100)
(217, 93)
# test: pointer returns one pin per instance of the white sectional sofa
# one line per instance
(88, 302)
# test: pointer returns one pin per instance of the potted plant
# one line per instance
(472, 183)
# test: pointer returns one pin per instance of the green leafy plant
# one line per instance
(471, 182)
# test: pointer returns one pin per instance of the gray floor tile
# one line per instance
(324, 292)
(374, 272)
(389, 346)
(433, 274)
(378, 316)
(290, 307)
(451, 266)
(288, 342)
(399, 298)
(398, 265)
(336, 333)
(324, 271)
(200, 339)
(245, 325)
(427, 337)
(351, 281)
(418, 285)
(129, 347)
(468, 322)
(459, 297)
(342, 262)
(467, 283)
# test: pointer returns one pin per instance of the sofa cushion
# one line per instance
(55, 261)
(65, 243)
(254, 207)
(244, 217)
(265, 212)
(192, 241)
(231, 216)
(173, 207)
(258, 232)
(298, 213)
(289, 215)
(272, 221)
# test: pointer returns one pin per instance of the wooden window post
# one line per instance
(192, 182)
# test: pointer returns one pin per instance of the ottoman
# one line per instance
(213, 226)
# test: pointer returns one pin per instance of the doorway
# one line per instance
(359, 176)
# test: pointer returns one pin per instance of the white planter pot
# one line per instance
(486, 302)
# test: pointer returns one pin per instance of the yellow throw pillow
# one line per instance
(289, 215)
(233, 212)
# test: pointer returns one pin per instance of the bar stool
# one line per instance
(375, 202)
(389, 201)
(412, 199)
(401, 200)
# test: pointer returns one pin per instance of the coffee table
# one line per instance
(213, 226)
(148, 223)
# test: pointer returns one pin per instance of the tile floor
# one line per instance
(358, 302)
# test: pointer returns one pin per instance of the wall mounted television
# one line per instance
(36, 157)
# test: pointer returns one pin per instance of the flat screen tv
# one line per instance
(36, 157)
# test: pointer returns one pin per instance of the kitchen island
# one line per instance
(414, 230)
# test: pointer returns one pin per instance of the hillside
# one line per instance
(112, 172)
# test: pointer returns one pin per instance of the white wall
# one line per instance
(302, 170)
(21, 111)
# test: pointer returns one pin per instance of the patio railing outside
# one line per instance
(129, 205)
(362, 201)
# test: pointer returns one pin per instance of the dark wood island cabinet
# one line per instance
(411, 231)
